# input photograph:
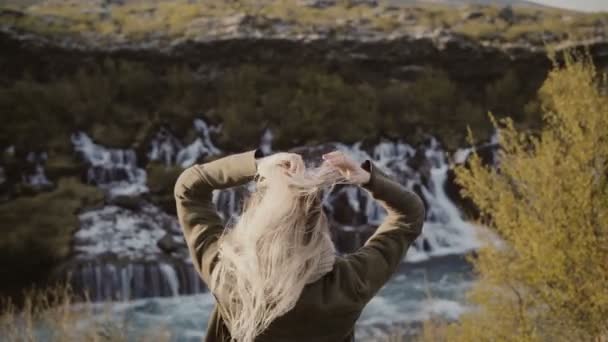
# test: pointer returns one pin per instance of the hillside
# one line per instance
(513, 3)
(162, 24)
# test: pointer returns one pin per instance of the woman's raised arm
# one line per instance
(196, 213)
(378, 259)
(370, 267)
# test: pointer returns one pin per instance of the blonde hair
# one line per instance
(280, 243)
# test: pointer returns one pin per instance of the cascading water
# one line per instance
(36, 178)
(131, 239)
(134, 249)
(354, 213)
(167, 148)
(131, 249)
(114, 170)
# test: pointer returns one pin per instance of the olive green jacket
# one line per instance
(328, 308)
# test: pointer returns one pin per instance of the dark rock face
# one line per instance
(507, 14)
(127, 202)
(318, 3)
(168, 244)
(422, 164)
(473, 15)
(389, 56)
(488, 153)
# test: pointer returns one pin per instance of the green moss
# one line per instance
(37, 231)
(120, 104)
(161, 180)
(309, 105)
(60, 165)
(113, 102)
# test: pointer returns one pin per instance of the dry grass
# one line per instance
(58, 315)
(170, 19)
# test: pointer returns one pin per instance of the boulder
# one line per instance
(317, 3)
(168, 244)
(128, 202)
(368, 3)
(507, 14)
(421, 164)
(473, 15)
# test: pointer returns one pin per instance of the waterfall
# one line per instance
(266, 142)
(126, 281)
(166, 148)
(424, 170)
(123, 253)
(36, 178)
(137, 250)
(114, 170)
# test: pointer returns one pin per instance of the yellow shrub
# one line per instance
(548, 202)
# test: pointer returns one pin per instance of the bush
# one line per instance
(118, 102)
(548, 202)
(113, 101)
(37, 232)
(161, 181)
(305, 105)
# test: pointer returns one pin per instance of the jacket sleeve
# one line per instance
(373, 264)
(200, 222)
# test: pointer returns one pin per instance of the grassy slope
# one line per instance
(138, 20)
(37, 230)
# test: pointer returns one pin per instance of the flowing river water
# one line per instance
(135, 255)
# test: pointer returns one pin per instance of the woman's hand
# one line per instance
(348, 167)
(291, 162)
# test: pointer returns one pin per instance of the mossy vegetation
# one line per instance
(161, 181)
(309, 104)
(142, 20)
(112, 101)
(119, 103)
(37, 232)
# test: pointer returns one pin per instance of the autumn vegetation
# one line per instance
(56, 314)
(543, 273)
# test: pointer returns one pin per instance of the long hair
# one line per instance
(280, 243)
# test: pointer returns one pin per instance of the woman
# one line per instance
(274, 273)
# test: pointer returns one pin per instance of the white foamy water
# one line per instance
(118, 249)
(445, 231)
(133, 234)
(37, 178)
(114, 170)
(165, 147)
(266, 142)
(125, 233)
(411, 296)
